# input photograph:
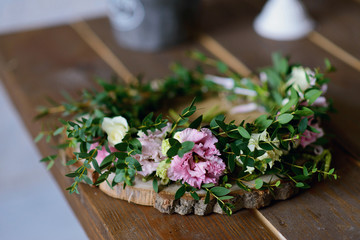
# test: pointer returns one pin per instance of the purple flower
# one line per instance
(202, 164)
(309, 137)
(151, 154)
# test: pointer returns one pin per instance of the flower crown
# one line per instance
(113, 134)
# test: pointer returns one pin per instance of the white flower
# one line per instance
(116, 129)
(298, 79)
(273, 154)
(249, 169)
(177, 136)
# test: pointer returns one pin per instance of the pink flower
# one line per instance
(309, 137)
(320, 102)
(151, 154)
(102, 153)
(202, 164)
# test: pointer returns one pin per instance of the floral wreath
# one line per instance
(114, 133)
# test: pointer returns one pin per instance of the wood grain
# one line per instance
(338, 21)
(344, 84)
(41, 63)
(308, 214)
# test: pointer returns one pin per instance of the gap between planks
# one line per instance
(334, 49)
(90, 37)
(329, 46)
(267, 224)
(224, 55)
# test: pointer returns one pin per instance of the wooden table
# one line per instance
(41, 63)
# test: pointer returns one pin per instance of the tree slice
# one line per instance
(142, 193)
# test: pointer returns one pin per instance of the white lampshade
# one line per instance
(283, 20)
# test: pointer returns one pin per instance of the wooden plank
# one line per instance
(37, 64)
(54, 59)
(154, 65)
(312, 214)
(342, 15)
(330, 209)
(258, 51)
(146, 64)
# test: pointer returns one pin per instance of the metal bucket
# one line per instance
(150, 25)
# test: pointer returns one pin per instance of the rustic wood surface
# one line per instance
(41, 63)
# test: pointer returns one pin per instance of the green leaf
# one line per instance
(58, 131)
(174, 142)
(207, 185)
(121, 155)
(121, 146)
(133, 163)
(39, 137)
(213, 123)
(185, 147)
(96, 166)
(180, 192)
(291, 129)
(83, 147)
(196, 123)
(243, 186)
(120, 177)
(51, 163)
(198, 55)
(302, 125)
(72, 175)
(187, 112)
(222, 67)
(293, 100)
(259, 183)
(285, 118)
(231, 162)
(262, 122)
(107, 161)
(87, 180)
(312, 129)
(220, 191)
(312, 95)
(266, 146)
(195, 196)
(274, 78)
(243, 132)
(49, 158)
(135, 144)
(63, 122)
(226, 197)
(184, 121)
(281, 64)
(277, 184)
(71, 162)
(173, 151)
(304, 112)
(305, 171)
(192, 103)
(155, 185)
(221, 124)
(328, 66)
(299, 184)
(207, 197)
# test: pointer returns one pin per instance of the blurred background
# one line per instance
(31, 204)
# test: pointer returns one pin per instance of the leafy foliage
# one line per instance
(289, 113)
